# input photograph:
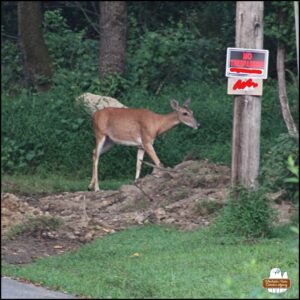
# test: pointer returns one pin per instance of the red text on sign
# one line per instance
(247, 55)
(241, 85)
(247, 63)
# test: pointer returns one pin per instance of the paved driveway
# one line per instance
(13, 289)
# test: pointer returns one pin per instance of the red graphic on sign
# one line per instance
(240, 85)
(246, 71)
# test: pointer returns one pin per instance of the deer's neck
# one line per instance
(167, 122)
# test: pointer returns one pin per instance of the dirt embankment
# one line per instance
(187, 196)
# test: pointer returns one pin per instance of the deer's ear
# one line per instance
(174, 104)
(187, 102)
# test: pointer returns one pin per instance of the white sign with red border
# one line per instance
(247, 63)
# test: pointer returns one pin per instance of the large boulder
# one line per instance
(94, 102)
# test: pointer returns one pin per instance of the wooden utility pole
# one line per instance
(247, 109)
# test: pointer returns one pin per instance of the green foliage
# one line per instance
(74, 57)
(20, 156)
(11, 65)
(293, 169)
(283, 31)
(274, 171)
(207, 207)
(279, 27)
(247, 213)
(69, 49)
(172, 54)
(34, 225)
(44, 134)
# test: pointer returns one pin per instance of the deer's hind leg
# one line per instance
(100, 142)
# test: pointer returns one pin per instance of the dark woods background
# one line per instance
(197, 33)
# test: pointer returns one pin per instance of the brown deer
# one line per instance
(135, 127)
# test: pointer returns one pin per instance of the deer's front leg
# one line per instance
(140, 157)
(151, 152)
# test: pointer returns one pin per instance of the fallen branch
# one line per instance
(159, 168)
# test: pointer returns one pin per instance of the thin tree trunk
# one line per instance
(247, 109)
(286, 113)
(36, 57)
(296, 10)
(113, 28)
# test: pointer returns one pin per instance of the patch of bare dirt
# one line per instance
(186, 196)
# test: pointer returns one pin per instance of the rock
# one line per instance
(15, 211)
(169, 221)
(52, 234)
(70, 235)
(66, 213)
(139, 219)
(94, 102)
(89, 235)
(130, 195)
(160, 213)
(6, 212)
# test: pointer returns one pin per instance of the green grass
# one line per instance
(52, 183)
(170, 264)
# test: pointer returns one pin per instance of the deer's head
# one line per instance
(184, 114)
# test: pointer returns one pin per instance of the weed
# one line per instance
(207, 206)
(247, 213)
(33, 225)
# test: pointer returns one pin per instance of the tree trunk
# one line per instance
(296, 9)
(287, 116)
(247, 109)
(37, 61)
(113, 28)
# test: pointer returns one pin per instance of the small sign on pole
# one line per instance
(246, 69)
(249, 86)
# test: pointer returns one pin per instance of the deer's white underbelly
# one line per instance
(137, 142)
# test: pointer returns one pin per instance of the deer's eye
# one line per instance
(185, 113)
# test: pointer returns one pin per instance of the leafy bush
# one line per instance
(170, 54)
(11, 65)
(19, 156)
(69, 49)
(49, 132)
(247, 214)
(274, 169)
(294, 170)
